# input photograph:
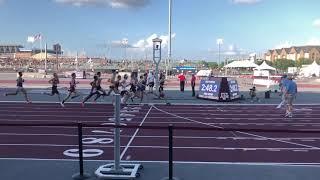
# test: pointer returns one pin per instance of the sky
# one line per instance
(98, 27)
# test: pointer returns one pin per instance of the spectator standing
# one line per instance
(182, 80)
(193, 84)
(150, 81)
(282, 86)
(290, 94)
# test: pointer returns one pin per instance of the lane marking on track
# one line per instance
(307, 139)
(193, 105)
(160, 147)
(278, 164)
(249, 149)
(274, 150)
(299, 125)
(135, 133)
(250, 134)
(300, 150)
(45, 120)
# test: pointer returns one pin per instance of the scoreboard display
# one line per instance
(209, 89)
(234, 89)
(219, 88)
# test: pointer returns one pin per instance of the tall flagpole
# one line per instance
(76, 61)
(46, 57)
(170, 37)
(40, 37)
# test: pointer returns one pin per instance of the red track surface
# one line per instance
(151, 145)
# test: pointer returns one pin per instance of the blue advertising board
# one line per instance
(185, 68)
(209, 89)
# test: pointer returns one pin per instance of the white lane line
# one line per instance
(274, 150)
(162, 147)
(244, 118)
(299, 125)
(44, 120)
(200, 105)
(308, 140)
(198, 122)
(53, 111)
(63, 135)
(306, 120)
(55, 115)
(302, 150)
(177, 162)
(249, 149)
(250, 134)
(219, 109)
(135, 133)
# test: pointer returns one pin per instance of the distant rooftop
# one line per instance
(14, 45)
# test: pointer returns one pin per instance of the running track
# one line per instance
(151, 145)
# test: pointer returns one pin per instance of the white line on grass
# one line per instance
(135, 133)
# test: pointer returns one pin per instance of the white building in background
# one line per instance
(253, 57)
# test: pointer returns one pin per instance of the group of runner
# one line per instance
(128, 89)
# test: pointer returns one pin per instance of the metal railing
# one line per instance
(170, 128)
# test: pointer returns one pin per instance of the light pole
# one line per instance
(125, 45)
(170, 36)
(157, 58)
(219, 43)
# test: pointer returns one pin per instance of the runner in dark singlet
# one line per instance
(100, 90)
(161, 85)
(20, 88)
(72, 89)
(141, 87)
(94, 90)
(112, 80)
(124, 84)
(117, 84)
(133, 86)
(54, 90)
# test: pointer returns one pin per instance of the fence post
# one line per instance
(117, 108)
(170, 129)
(81, 174)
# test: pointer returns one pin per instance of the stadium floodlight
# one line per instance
(219, 43)
(125, 42)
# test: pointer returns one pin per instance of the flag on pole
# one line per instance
(37, 37)
(30, 39)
